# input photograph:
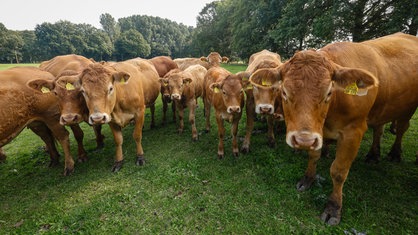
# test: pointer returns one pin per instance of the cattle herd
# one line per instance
(328, 95)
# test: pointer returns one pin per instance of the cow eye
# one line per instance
(328, 98)
(284, 95)
(110, 89)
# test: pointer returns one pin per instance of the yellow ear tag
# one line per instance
(123, 81)
(265, 83)
(244, 78)
(216, 90)
(165, 83)
(351, 89)
(249, 87)
(69, 86)
(45, 90)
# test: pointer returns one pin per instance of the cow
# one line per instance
(337, 91)
(184, 88)
(21, 106)
(263, 98)
(224, 91)
(150, 84)
(214, 59)
(163, 65)
(66, 69)
(114, 94)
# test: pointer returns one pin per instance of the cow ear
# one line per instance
(215, 87)
(354, 81)
(163, 81)
(121, 77)
(187, 81)
(204, 59)
(40, 85)
(225, 59)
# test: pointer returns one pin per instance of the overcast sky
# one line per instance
(26, 14)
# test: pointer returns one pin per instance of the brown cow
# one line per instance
(184, 88)
(66, 69)
(114, 95)
(263, 98)
(334, 93)
(151, 85)
(163, 65)
(224, 91)
(214, 59)
(22, 106)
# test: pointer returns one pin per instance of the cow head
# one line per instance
(266, 92)
(231, 89)
(165, 92)
(71, 102)
(98, 84)
(214, 59)
(176, 82)
(309, 85)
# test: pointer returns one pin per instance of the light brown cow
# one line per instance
(114, 95)
(334, 93)
(184, 88)
(20, 106)
(263, 98)
(66, 69)
(151, 85)
(214, 59)
(224, 91)
(163, 65)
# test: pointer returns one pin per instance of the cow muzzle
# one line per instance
(304, 140)
(99, 118)
(233, 109)
(264, 109)
(71, 118)
(176, 97)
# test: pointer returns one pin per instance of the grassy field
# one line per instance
(184, 189)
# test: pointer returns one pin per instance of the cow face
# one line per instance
(231, 89)
(214, 59)
(310, 83)
(165, 91)
(266, 92)
(98, 86)
(177, 82)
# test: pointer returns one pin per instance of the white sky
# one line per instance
(26, 14)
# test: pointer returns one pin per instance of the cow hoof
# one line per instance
(372, 159)
(330, 220)
(117, 166)
(82, 159)
(245, 150)
(236, 154)
(305, 183)
(220, 156)
(140, 160)
(331, 214)
(68, 171)
(195, 139)
(54, 163)
(206, 131)
(272, 144)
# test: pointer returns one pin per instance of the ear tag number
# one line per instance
(45, 90)
(69, 86)
(351, 89)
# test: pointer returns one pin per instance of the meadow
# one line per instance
(183, 188)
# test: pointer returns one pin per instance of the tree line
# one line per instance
(236, 28)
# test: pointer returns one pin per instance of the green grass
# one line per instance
(184, 189)
(7, 66)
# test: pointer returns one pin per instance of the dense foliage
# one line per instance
(236, 28)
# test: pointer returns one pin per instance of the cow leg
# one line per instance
(250, 112)
(270, 132)
(2, 156)
(180, 112)
(152, 109)
(173, 109)
(234, 132)
(99, 137)
(347, 148)
(137, 135)
(373, 156)
(393, 127)
(192, 115)
(309, 177)
(79, 136)
(207, 115)
(221, 135)
(396, 150)
(63, 137)
(118, 137)
(40, 129)
(165, 107)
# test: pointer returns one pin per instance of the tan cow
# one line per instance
(334, 93)
(151, 85)
(214, 59)
(20, 106)
(184, 88)
(114, 95)
(66, 69)
(224, 91)
(163, 65)
(263, 98)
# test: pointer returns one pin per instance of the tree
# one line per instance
(110, 26)
(131, 44)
